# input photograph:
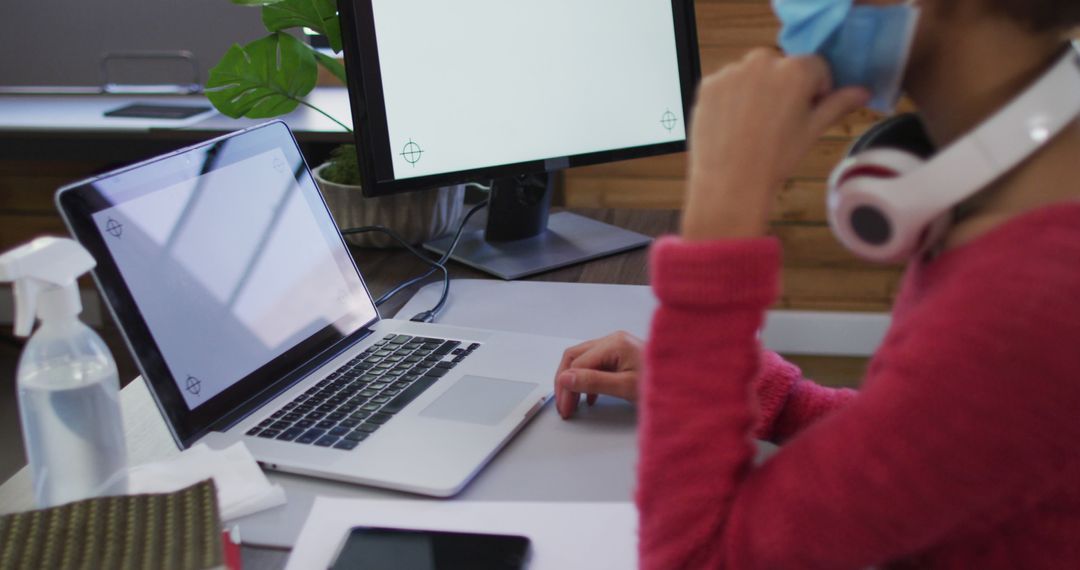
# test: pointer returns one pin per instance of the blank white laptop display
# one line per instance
(250, 321)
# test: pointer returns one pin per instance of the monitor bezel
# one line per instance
(371, 131)
(79, 201)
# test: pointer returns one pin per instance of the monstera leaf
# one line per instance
(332, 65)
(263, 79)
(319, 15)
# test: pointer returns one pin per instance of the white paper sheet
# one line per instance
(564, 536)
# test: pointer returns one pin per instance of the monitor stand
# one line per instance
(521, 239)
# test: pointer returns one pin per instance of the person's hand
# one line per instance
(610, 365)
(754, 121)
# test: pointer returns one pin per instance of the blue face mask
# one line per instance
(864, 45)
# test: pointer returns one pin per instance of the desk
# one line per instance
(589, 458)
(74, 127)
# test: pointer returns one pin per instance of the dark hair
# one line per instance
(1040, 15)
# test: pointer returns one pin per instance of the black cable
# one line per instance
(406, 245)
(13, 341)
(441, 261)
(439, 265)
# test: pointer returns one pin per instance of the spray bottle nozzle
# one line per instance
(42, 265)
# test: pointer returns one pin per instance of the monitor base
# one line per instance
(569, 239)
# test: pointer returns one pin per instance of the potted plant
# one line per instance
(270, 77)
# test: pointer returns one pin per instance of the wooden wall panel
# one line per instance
(818, 273)
(26, 197)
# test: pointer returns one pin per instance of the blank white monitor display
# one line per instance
(575, 77)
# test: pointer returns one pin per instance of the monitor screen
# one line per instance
(448, 92)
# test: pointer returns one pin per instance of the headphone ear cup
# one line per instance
(867, 213)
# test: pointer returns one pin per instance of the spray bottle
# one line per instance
(67, 382)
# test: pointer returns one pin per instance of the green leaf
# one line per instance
(266, 78)
(333, 66)
(319, 15)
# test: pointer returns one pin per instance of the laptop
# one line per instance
(250, 321)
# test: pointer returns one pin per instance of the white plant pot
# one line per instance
(416, 216)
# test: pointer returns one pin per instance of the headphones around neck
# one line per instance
(894, 194)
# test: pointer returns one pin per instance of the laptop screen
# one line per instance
(228, 258)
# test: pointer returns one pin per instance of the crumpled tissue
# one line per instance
(242, 488)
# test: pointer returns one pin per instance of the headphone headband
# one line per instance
(884, 217)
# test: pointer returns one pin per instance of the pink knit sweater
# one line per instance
(962, 449)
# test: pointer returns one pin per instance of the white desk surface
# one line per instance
(591, 458)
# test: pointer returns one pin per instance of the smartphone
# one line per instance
(373, 548)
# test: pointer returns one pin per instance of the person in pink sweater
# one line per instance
(962, 447)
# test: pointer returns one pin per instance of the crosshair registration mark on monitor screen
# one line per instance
(412, 152)
(669, 120)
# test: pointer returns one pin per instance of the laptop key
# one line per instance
(310, 436)
(410, 394)
(346, 444)
(291, 434)
(436, 373)
(325, 424)
(305, 423)
(326, 441)
(379, 418)
(369, 427)
(254, 431)
(271, 433)
(357, 435)
(339, 431)
(446, 347)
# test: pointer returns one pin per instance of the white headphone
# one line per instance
(886, 204)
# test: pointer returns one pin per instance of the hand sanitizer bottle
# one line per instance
(67, 381)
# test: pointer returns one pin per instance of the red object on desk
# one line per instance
(232, 552)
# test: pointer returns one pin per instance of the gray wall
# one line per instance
(59, 42)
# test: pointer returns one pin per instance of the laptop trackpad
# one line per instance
(479, 400)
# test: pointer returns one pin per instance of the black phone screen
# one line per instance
(369, 548)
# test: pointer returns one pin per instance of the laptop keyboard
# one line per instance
(355, 400)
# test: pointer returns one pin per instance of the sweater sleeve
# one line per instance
(935, 442)
(789, 402)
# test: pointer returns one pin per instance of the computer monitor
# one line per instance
(513, 91)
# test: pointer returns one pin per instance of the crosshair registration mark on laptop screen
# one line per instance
(229, 269)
